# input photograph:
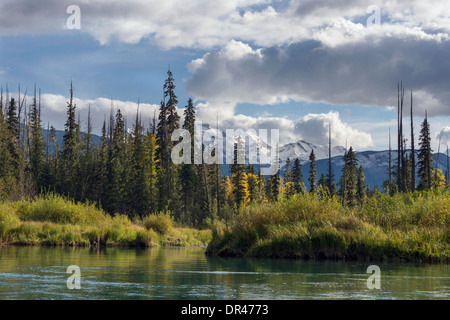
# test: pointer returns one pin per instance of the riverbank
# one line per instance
(403, 227)
(54, 221)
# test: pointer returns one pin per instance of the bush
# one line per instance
(8, 219)
(56, 209)
(161, 223)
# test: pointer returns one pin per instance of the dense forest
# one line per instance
(130, 172)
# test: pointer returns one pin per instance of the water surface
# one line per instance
(186, 273)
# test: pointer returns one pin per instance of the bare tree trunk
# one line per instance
(437, 161)
(413, 154)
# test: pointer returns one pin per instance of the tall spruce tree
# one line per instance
(297, 176)
(360, 185)
(69, 154)
(425, 156)
(349, 178)
(312, 173)
(288, 179)
(187, 173)
(37, 143)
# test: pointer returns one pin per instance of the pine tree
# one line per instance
(349, 179)
(361, 185)
(100, 179)
(8, 156)
(187, 172)
(297, 176)
(138, 200)
(69, 148)
(275, 184)
(115, 196)
(168, 123)
(312, 173)
(238, 175)
(322, 185)
(37, 143)
(425, 156)
(11, 137)
(288, 180)
(151, 162)
(269, 190)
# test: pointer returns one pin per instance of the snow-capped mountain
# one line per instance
(302, 149)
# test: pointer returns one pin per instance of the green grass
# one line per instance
(55, 221)
(403, 227)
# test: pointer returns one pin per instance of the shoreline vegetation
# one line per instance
(404, 227)
(52, 220)
(130, 170)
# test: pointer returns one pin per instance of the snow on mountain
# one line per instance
(302, 149)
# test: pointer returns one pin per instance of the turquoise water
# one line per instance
(186, 273)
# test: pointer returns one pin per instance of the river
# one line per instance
(186, 273)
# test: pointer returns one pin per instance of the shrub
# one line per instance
(8, 219)
(161, 223)
(56, 209)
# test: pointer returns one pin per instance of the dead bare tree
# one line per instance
(413, 155)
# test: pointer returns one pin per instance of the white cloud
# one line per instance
(444, 135)
(54, 109)
(314, 128)
(206, 24)
(363, 73)
(311, 128)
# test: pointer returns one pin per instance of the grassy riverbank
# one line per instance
(403, 227)
(52, 220)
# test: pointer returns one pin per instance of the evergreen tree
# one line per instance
(138, 200)
(12, 119)
(11, 139)
(69, 148)
(187, 172)
(275, 184)
(322, 185)
(425, 157)
(238, 175)
(288, 179)
(312, 173)
(361, 185)
(37, 143)
(349, 179)
(297, 176)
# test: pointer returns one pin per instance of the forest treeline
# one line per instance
(131, 172)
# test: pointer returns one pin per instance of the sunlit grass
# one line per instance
(55, 221)
(403, 227)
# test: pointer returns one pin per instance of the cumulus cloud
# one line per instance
(314, 128)
(54, 109)
(207, 24)
(444, 135)
(363, 73)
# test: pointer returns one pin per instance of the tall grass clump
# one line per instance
(402, 227)
(56, 221)
(8, 220)
(161, 223)
(56, 209)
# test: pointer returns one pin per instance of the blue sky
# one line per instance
(254, 63)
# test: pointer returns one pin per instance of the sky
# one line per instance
(296, 66)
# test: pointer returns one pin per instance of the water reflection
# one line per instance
(186, 273)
